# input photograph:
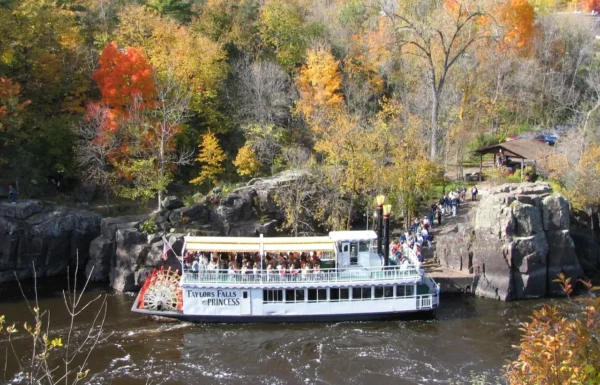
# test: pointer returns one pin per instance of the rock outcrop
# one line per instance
(124, 254)
(48, 237)
(516, 244)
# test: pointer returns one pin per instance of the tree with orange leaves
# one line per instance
(591, 5)
(141, 114)
(124, 78)
(518, 19)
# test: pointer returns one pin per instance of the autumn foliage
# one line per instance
(518, 19)
(10, 105)
(211, 158)
(124, 78)
(561, 343)
(591, 5)
(319, 84)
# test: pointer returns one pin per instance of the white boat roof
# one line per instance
(276, 244)
(252, 244)
(358, 235)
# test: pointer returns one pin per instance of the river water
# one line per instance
(468, 335)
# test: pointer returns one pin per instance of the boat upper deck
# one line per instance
(343, 258)
(392, 274)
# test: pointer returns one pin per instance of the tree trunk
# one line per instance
(592, 223)
(350, 211)
(435, 111)
(162, 170)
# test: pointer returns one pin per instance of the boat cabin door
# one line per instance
(344, 254)
(245, 303)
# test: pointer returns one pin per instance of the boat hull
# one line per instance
(309, 318)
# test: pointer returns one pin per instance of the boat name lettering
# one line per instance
(216, 298)
(221, 302)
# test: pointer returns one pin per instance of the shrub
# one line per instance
(150, 226)
(560, 345)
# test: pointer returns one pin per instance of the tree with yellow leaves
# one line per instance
(319, 84)
(211, 157)
(414, 174)
(246, 162)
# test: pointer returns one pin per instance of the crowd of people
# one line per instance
(290, 264)
(419, 233)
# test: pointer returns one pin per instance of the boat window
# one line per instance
(245, 295)
(317, 295)
(363, 246)
(321, 295)
(361, 293)
(388, 291)
(334, 295)
(378, 292)
(270, 296)
(410, 291)
(345, 248)
(292, 296)
(400, 291)
(354, 254)
(344, 294)
(339, 247)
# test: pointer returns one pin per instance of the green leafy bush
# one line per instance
(150, 226)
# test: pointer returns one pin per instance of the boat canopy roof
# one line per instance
(253, 244)
(362, 235)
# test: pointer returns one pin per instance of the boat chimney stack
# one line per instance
(386, 241)
(379, 200)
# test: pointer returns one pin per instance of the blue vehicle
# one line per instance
(548, 139)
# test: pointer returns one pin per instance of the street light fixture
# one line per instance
(387, 209)
(379, 199)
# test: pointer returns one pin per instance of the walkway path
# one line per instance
(451, 280)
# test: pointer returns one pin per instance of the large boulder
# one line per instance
(49, 238)
(528, 219)
(519, 242)
(562, 258)
(111, 225)
(171, 202)
(528, 259)
(555, 212)
(99, 265)
(130, 252)
(452, 254)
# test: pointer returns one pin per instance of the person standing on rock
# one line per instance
(439, 217)
(474, 193)
(454, 203)
(12, 193)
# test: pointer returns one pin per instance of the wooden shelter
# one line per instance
(524, 149)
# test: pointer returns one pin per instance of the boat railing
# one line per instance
(428, 301)
(406, 272)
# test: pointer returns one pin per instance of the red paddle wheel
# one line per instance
(161, 291)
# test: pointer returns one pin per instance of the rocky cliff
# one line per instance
(33, 233)
(515, 244)
(123, 254)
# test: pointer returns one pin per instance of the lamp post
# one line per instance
(379, 199)
(386, 243)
